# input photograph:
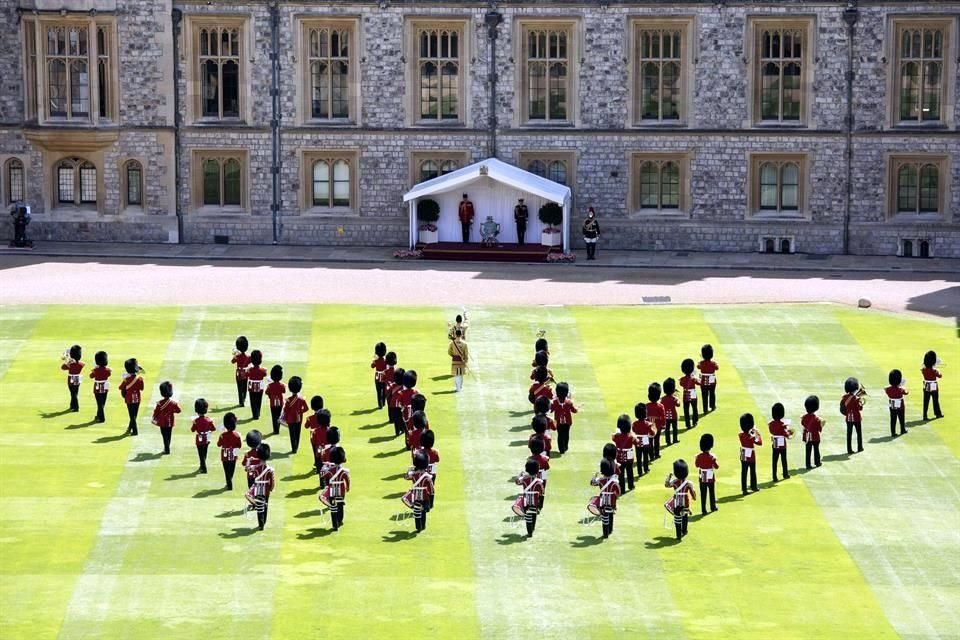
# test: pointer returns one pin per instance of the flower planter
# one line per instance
(550, 238)
(428, 237)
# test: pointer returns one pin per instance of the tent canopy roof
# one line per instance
(498, 171)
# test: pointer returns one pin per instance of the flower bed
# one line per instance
(561, 257)
(408, 254)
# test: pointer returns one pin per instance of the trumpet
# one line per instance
(541, 333)
(669, 480)
(66, 356)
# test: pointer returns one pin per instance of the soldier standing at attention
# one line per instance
(466, 214)
(101, 384)
(229, 443)
(130, 387)
(203, 427)
(73, 366)
(460, 356)
(242, 361)
(591, 233)
(520, 215)
(164, 413)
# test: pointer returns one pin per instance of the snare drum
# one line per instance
(593, 506)
(670, 505)
(518, 507)
(407, 499)
(326, 499)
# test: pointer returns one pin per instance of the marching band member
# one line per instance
(930, 385)
(427, 440)
(895, 393)
(670, 405)
(528, 502)
(242, 361)
(689, 384)
(101, 385)
(251, 463)
(275, 391)
(538, 452)
(683, 494)
(379, 366)
(337, 486)
(419, 424)
(707, 465)
(540, 386)
(606, 500)
(459, 354)
(263, 485)
(563, 410)
(540, 345)
(541, 359)
(780, 432)
(255, 375)
(461, 325)
(73, 366)
(164, 414)
(317, 425)
(390, 360)
(610, 453)
(655, 415)
(418, 404)
(749, 438)
(229, 443)
(542, 408)
(850, 406)
(394, 401)
(131, 386)
(708, 377)
(646, 433)
(625, 442)
(540, 428)
(812, 426)
(419, 495)
(333, 440)
(406, 401)
(203, 427)
(293, 410)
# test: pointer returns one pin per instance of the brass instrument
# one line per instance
(753, 433)
(66, 357)
(541, 333)
(862, 395)
(669, 481)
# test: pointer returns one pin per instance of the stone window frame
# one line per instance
(894, 162)
(951, 51)
(413, 25)
(754, 162)
(416, 158)
(194, 23)
(688, 49)
(125, 167)
(308, 157)
(573, 26)
(101, 87)
(197, 158)
(7, 182)
(756, 25)
(303, 25)
(526, 157)
(78, 168)
(636, 160)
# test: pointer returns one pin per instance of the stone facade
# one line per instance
(718, 136)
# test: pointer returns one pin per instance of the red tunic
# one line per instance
(533, 374)
(164, 412)
(706, 462)
(379, 365)
(229, 443)
(655, 414)
(406, 405)
(73, 370)
(625, 443)
(255, 376)
(294, 409)
(100, 375)
(683, 492)
(423, 481)
(930, 376)
(609, 490)
(708, 370)
(413, 438)
(242, 361)
(395, 401)
(538, 390)
(747, 444)
(547, 441)
(130, 388)
(203, 427)
(689, 386)
(644, 429)
(465, 211)
(895, 395)
(265, 481)
(779, 432)
(318, 434)
(251, 463)
(275, 391)
(339, 481)
(544, 461)
(532, 490)
(812, 426)
(851, 406)
(563, 411)
(670, 405)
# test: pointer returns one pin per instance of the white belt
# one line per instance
(629, 453)
(693, 393)
(930, 385)
(102, 384)
(747, 453)
(256, 385)
(644, 441)
(896, 403)
(779, 442)
(73, 379)
(706, 475)
(709, 378)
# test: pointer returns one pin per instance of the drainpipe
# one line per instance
(850, 16)
(177, 17)
(275, 121)
(492, 19)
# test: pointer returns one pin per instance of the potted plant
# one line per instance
(428, 212)
(551, 214)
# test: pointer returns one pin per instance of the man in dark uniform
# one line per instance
(466, 213)
(520, 216)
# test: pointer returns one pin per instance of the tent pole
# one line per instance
(566, 226)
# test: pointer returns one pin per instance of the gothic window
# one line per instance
(660, 65)
(328, 55)
(76, 182)
(547, 74)
(659, 183)
(219, 57)
(778, 185)
(15, 184)
(917, 185)
(221, 181)
(133, 184)
(921, 52)
(438, 72)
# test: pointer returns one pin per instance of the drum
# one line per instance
(254, 501)
(670, 505)
(518, 507)
(593, 506)
(407, 499)
(326, 499)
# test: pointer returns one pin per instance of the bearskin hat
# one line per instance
(333, 435)
(459, 318)
(930, 359)
(680, 469)
(653, 392)
(669, 387)
(380, 349)
(623, 423)
(606, 468)
(130, 365)
(851, 385)
(563, 390)
(777, 411)
(640, 411)
(263, 451)
(242, 344)
(76, 352)
(539, 424)
(540, 375)
(746, 422)
(316, 403)
(295, 384)
(427, 439)
(338, 455)
(256, 357)
(541, 405)
(687, 366)
(166, 389)
(532, 467)
(812, 404)
(707, 351)
(706, 442)
(419, 419)
(230, 421)
(323, 417)
(541, 345)
(420, 461)
(609, 451)
(410, 379)
(200, 406)
(398, 375)
(276, 373)
(895, 378)
(100, 357)
(254, 438)
(541, 359)
(391, 359)
(536, 445)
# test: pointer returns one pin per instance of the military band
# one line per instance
(202, 426)
(229, 443)
(812, 428)
(749, 440)
(780, 432)
(707, 466)
(241, 361)
(896, 396)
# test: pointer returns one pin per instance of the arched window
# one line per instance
(918, 188)
(133, 176)
(329, 63)
(557, 171)
(920, 73)
(779, 186)
(14, 182)
(76, 182)
(547, 74)
(219, 59)
(221, 181)
(438, 64)
(428, 170)
(332, 186)
(659, 182)
(538, 168)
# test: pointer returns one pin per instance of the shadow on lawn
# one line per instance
(364, 412)
(311, 514)
(396, 476)
(834, 457)
(54, 414)
(442, 378)
(582, 542)
(379, 439)
(106, 439)
(662, 542)
(310, 534)
(919, 422)
(145, 457)
(443, 393)
(522, 427)
(299, 493)
(376, 425)
(182, 476)
(399, 536)
(880, 439)
(229, 514)
(520, 414)
(81, 425)
(511, 538)
(223, 409)
(239, 532)
(207, 493)
(302, 476)
(390, 454)
(518, 443)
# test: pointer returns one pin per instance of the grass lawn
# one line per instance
(103, 538)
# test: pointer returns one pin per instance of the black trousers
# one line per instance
(850, 427)
(74, 401)
(420, 515)
(672, 423)
(606, 518)
(656, 444)
(380, 398)
(101, 399)
(241, 392)
(563, 437)
(294, 436)
(202, 454)
(711, 488)
(530, 515)
(275, 418)
(814, 448)
(262, 511)
(681, 519)
(744, 467)
(521, 232)
(465, 229)
(19, 234)
(249, 481)
(229, 466)
(336, 513)
(256, 400)
(897, 415)
(780, 454)
(687, 406)
(132, 410)
(626, 476)
(709, 396)
(166, 433)
(644, 457)
(396, 416)
(935, 396)
(591, 250)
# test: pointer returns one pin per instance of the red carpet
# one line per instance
(477, 252)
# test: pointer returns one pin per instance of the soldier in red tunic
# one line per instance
(646, 434)
(333, 440)
(540, 428)
(275, 391)
(427, 441)
(851, 405)
(317, 425)
(405, 401)
(293, 410)
(255, 375)
(670, 406)
(251, 463)
(263, 485)
(338, 485)
(812, 426)
(625, 442)
(540, 386)
(538, 451)
(563, 410)
(419, 424)
(610, 453)
(465, 213)
(707, 465)
(749, 439)
(164, 414)
(780, 432)
(683, 495)
(895, 394)
(541, 359)
(379, 366)
(203, 427)
(418, 404)
(131, 386)
(242, 361)
(689, 384)
(394, 401)
(73, 366)
(655, 415)
(931, 384)
(101, 385)
(542, 408)
(606, 500)
(229, 443)
(419, 495)
(527, 503)
(708, 378)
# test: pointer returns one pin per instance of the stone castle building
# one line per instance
(819, 127)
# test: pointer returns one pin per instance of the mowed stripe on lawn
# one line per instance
(16, 327)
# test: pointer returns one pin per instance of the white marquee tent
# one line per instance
(494, 187)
